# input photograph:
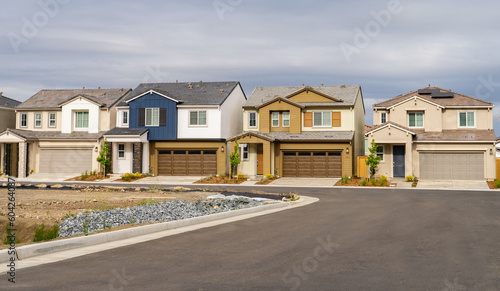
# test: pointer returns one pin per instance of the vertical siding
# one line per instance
(168, 132)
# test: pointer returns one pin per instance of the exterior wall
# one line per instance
(123, 165)
(484, 118)
(266, 156)
(160, 145)
(45, 120)
(211, 130)
(432, 114)
(377, 117)
(107, 119)
(119, 117)
(77, 105)
(347, 119)
(246, 120)
(308, 96)
(265, 116)
(7, 118)
(359, 129)
(168, 132)
(232, 124)
(249, 167)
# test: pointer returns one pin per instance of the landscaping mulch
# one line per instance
(90, 178)
(266, 182)
(491, 184)
(356, 182)
(131, 180)
(220, 180)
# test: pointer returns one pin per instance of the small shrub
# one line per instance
(69, 214)
(364, 182)
(42, 234)
(344, 179)
(85, 175)
(241, 176)
(269, 176)
(373, 181)
(383, 182)
(497, 183)
(383, 178)
(409, 178)
(294, 197)
(127, 176)
(137, 175)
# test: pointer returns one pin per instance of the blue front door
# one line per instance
(398, 155)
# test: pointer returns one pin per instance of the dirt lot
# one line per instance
(50, 207)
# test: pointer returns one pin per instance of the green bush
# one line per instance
(269, 176)
(137, 175)
(383, 182)
(127, 176)
(42, 234)
(409, 178)
(364, 182)
(344, 179)
(497, 183)
(373, 181)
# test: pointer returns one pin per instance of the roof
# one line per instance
(304, 136)
(188, 93)
(7, 102)
(53, 98)
(425, 93)
(56, 135)
(346, 93)
(457, 135)
(389, 123)
(368, 128)
(126, 131)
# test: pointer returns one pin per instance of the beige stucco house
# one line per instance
(308, 131)
(59, 131)
(434, 133)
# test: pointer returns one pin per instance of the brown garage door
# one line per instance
(187, 162)
(65, 161)
(312, 164)
(452, 166)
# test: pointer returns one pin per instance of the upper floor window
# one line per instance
(52, 120)
(286, 119)
(252, 119)
(198, 118)
(24, 119)
(466, 119)
(125, 118)
(275, 119)
(38, 120)
(152, 116)
(416, 119)
(81, 119)
(322, 119)
(383, 117)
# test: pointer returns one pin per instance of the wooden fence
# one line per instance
(363, 168)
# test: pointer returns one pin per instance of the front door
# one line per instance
(7, 159)
(260, 159)
(398, 155)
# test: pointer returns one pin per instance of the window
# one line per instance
(286, 119)
(38, 120)
(380, 152)
(416, 119)
(52, 120)
(322, 119)
(366, 146)
(252, 119)
(82, 119)
(152, 116)
(466, 119)
(275, 119)
(198, 118)
(125, 118)
(383, 117)
(244, 152)
(24, 119)
(121, 151)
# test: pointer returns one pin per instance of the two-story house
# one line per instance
(7, 120)
(60, 131)
(308, 131)
(183, 127)
(434, 133)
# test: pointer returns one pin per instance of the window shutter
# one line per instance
(142, 116)
(308, 119)
(336, 119)
(163, 116)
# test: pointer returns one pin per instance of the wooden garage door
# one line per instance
(187, 162)
(65, 160)
(312, 164)
(452, 166)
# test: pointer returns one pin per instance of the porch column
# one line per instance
(145, 157)
(110, 157)
(21, 171)
(137, 160)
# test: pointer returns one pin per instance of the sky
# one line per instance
(388, 47)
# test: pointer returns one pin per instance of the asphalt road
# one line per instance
(390, 239)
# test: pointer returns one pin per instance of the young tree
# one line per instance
(373, 160)
(103, 158)
(234, 158)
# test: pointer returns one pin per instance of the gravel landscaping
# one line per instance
(155, 212)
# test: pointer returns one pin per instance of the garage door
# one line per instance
(452, 166)
(65, 161)
(312, 164)
(187, 162)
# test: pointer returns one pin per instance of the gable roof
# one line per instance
(88, 97)
(53, 98)
(296, 104)
(347, 94)
(389, 124)
(303, 136)
(188, 93)
(54, 135)
(442, 97)
(7, 102)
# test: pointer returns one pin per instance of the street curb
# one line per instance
(34, 250)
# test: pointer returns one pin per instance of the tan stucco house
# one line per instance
(434, 133)
(302, 131)
(59, 131)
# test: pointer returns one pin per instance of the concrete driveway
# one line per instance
(169, 180)
(312, 182)
(454, 184)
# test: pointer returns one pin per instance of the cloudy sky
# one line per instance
(388, 47)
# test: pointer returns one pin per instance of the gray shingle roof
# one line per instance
(201, 93)
(457, 135)
(126, 131)
(346, 93)
(52, 98)
(8, 102)
(47, 135)
(304, 136)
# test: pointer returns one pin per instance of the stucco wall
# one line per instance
(484, 118)
(80, 104)
(211, 130)
(432, 114)
(231, 110)
(7, 118)
(45, 120)
(246, 120)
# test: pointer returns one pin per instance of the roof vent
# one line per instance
(190, 85)
(99, 87)
(201, 81)
(321, 84)
(83, 87)
(176, 81)
(342, 86)
(1, 94)
(221, 91)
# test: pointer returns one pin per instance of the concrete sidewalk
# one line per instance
(454, 184)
